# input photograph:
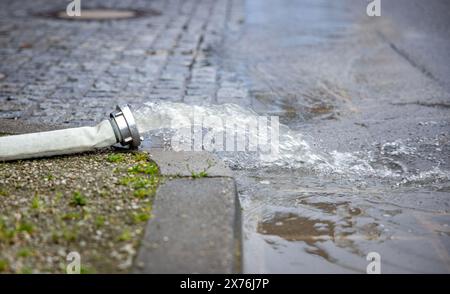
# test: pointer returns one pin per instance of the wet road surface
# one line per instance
(372, 93)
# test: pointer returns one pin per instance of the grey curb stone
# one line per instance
(196, 229)
(183, 164)
(197, 223)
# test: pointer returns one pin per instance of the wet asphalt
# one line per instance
(377, 87)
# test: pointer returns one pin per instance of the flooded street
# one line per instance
(369, 96)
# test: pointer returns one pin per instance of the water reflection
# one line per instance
(330, 225)
(292, 227)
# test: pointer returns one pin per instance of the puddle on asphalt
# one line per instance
(292, 227)
(329, 225)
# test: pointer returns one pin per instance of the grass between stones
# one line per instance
(96, 204)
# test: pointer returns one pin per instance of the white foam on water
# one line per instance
(167, 117)
(294, 152)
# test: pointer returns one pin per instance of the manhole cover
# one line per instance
(100, 14)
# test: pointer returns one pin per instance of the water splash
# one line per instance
(165, 118)
(294, 152)
(397, 148)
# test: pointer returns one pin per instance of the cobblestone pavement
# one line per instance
(74, 72)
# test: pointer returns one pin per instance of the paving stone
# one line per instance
(79, 63)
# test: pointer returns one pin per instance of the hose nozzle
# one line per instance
(124, 126)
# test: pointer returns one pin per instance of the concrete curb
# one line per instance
(183, 164)
(196, 228)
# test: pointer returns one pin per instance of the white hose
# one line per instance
(57, 142)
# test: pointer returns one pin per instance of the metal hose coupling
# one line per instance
(124, 126)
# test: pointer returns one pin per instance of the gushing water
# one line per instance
(293, 152)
